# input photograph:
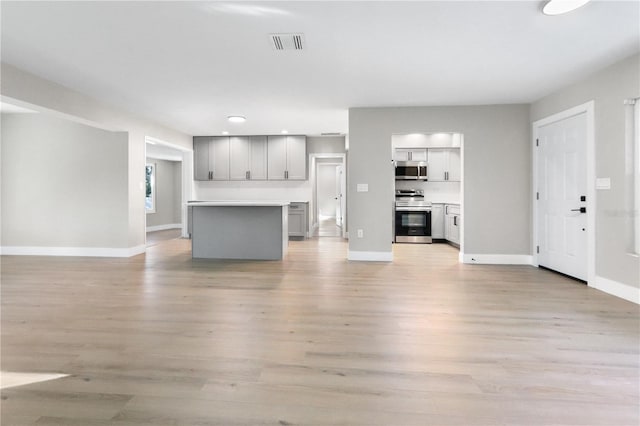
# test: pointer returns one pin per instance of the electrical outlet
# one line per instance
(360, 233)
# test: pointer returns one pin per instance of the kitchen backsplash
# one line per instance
(436, 192)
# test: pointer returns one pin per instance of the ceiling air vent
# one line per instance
(287, 41)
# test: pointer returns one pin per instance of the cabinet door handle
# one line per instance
(455, 221)
(249, 174)
(246, 175)
(286, 174)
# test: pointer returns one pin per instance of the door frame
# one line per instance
(588, 109)
(341, 158)
(187, 179)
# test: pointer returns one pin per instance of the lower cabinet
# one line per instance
(437, 221)
(452, 223)
(298, 220)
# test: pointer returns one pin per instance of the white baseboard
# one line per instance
(164, 227)
(72, 251)
(497, 259)
(370, 256)
(623, 291)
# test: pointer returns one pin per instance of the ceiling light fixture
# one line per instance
(284, 132)
(236, 119)
(225, 133)
(558, 7)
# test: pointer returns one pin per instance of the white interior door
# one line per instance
(562, 190)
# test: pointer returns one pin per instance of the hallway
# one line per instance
(328, 228)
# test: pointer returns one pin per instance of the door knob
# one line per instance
(581, 210)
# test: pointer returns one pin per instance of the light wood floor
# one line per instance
(327, 228)
(161, 339)
(157, 237)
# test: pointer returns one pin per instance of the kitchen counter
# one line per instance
(246, 229)
(237, 203)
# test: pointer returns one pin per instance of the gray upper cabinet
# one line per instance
(211, 158)
(286, 158)
(201, 169)
(257, 157)
(239, 157)
(248, 157)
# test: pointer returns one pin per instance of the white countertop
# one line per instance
(238, 203)
(442, 202)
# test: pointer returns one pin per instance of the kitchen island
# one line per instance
(239, 229)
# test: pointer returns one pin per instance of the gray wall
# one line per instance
(63, 184)
(168, 193)
(325, 144)
(45, 95)
(607, 88)
(497, 173)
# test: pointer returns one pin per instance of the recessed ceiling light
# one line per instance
(284, 132)
(558, 7)
(236, 119)
(225, 133)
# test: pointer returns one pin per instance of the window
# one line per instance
(150, 192)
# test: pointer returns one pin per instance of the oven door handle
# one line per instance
(413, 209)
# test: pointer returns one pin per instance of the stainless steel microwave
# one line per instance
(411, 170)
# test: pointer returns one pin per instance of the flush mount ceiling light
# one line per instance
(284, 132)
(236, 119)
(225, 133)
(558, 7)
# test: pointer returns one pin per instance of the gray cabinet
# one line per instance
(437, 221)
(211, 158)
(443, 164)
(298, 220)
(248, 157)
(452, 223)
(286, 158)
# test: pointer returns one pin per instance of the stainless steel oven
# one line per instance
(412, 217)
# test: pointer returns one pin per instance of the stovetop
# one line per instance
(411, 198)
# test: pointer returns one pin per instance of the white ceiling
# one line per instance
(189, 65)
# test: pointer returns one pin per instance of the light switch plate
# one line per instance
(603, 183)
(362, 187)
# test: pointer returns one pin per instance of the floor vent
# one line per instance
(287, 41)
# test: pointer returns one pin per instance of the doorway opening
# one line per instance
(167, 185)
(328, 206)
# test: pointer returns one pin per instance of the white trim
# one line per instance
(72, 251)
(623, 291)
(370, 256)
(587, 108)
(497, 259)
(164, 227)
